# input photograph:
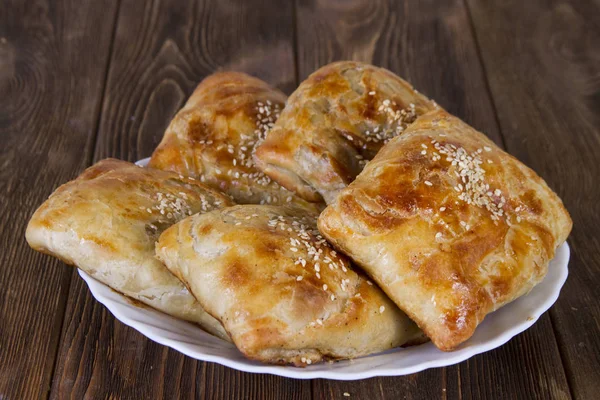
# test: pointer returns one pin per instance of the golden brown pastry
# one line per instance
(214, 136)
(333, 123)
(449, 225)
(106, 223)
(282, 293)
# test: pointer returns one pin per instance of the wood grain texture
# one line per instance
(428, 384)
(162, 50)
(543, 64)
(431, 44)
(51, 80)
(540, 73)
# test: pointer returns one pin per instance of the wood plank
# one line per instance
(543, 62)
(430, 44)
(529, 366)
(161, 51)
(427, 384)
(221, 382)
(165, 48)
(51, 80)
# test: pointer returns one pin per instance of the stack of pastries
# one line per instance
(354, 217)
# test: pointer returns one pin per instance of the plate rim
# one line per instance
(563, 252)
(561, 258)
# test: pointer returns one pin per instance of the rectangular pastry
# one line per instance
(106, 223)
(281, 292)
(214, 136)
(450, 226)
(333, 123)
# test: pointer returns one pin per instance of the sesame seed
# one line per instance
(346, 394)
(473, 189)
(299, 278)
(381, 309)
(370, 283)
(428, 183)
(266, 115)
(308, 361)
(442, 208)
(486, 148)
(307, 244)
(372, 93)
(395, 122)
(438, 235)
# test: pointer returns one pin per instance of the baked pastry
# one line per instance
(281, 292)
(106, 223)
(214, 135)
(450, 226)
(333, 123)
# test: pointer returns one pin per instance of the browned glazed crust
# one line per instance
(106, 222)
(213, 138)
(282, 295)
(449, 225)
(336, 120)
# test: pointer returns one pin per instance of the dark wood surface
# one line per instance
(52, 75)
(84, 80)
(543, 68)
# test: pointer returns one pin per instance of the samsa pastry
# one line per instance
(281, 292)
(450, 226)
(213, 137)
(107, 221)
(335, 122)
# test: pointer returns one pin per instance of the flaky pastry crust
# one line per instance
(281, 292)
(213, 137)
(450, 226)
(106, 223)
(333, 123)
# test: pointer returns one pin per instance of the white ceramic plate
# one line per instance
(497, 328)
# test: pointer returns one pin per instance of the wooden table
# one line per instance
(84, 80)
